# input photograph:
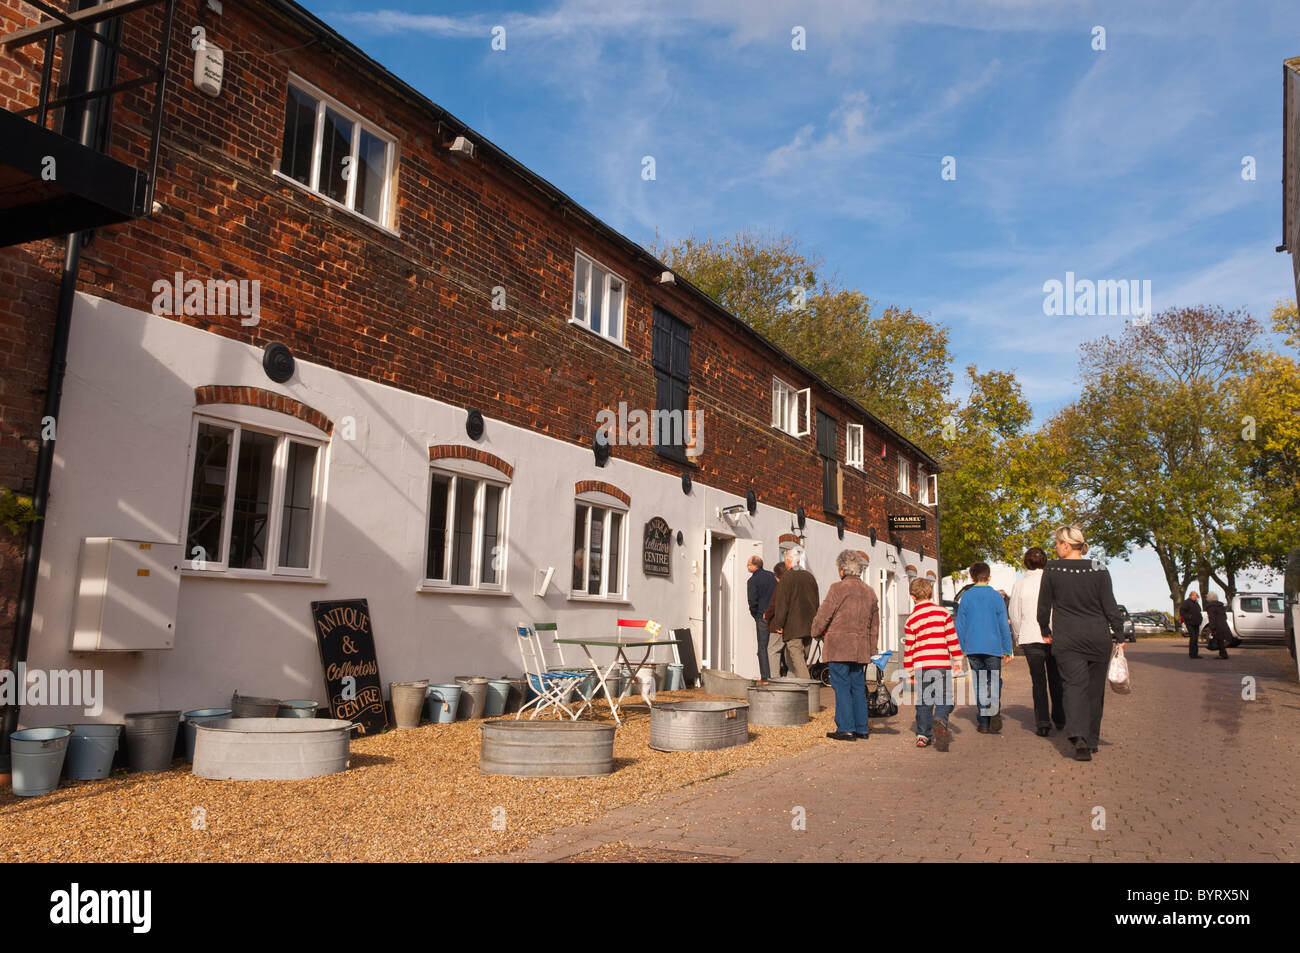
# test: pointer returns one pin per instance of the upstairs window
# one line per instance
(904, 476)
(791, 409)
(671, 357)
(331, 151)
(598, 298)
(853, 446)
(254, 500)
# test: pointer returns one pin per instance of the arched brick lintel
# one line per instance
(260, 397)
(599, 486)
(456, 451)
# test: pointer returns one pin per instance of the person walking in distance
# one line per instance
(774, 644)
(1046, 678)
(1190, 610)
(930, 645)
(850, 625)
(1217, 619)
(985, 637)
(794, 605)
(759, 589)
(1078, 612)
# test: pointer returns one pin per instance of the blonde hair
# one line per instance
(1072, 536)
(921, 589)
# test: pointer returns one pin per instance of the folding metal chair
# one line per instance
(551, 688)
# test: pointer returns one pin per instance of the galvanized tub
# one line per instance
(778, 706)
(546, 749)
(251, 706)
(698, 726)
(271, 749)
(813, 687)
(726, 684)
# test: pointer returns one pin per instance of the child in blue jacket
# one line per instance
(985, 636)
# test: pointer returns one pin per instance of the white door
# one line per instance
(721, 598)
(744, 636)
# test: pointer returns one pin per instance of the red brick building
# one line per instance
(458, 326)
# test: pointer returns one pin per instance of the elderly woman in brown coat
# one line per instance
(850, 625)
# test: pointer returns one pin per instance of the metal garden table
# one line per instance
(620, 658)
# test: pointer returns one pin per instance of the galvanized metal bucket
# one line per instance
(473, 696)
(151, 739)
(198, 716)
(498, 691)
(674, 678)
(90, 751)
(546, 749)
(298, 708)
(726, 684)
(408, 702)
(811, 685)
(37, 756)
(698, 726)
(441, 702)
(251, 706)
(772, 706)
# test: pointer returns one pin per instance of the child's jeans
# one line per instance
(934, 699)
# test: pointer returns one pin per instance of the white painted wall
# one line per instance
(122, 469)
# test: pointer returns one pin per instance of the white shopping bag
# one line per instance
(1117, 674)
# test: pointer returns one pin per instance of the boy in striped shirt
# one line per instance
(930, 644)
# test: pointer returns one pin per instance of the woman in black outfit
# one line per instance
(1077, 610)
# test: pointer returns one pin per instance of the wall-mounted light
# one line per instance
(731, 513)
(668, 278)
(463, 147)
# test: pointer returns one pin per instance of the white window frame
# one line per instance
(275, 513)
(582, 593)
(854, 443)
(318, 135)
(785, 408)
(585, 319)
(930, 481)
(476, 555)
(904, 475)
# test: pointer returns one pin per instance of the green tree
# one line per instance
(1151, 452)
(895, 364)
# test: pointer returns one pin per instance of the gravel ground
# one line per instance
(408, 796)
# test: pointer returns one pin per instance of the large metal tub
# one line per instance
(774, 706)
(546, 749)
(726, 684)
(811, 685)
(698, 726)
(271, 749)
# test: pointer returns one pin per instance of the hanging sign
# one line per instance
(347, 654)
(656, 548)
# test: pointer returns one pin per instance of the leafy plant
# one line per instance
(17, 512)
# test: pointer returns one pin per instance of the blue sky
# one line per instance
(1122, 164)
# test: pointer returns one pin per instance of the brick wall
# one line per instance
(411, 308)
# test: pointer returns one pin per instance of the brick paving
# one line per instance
(1188, 771)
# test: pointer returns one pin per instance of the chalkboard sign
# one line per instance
(347, 651)
(657, 548)
(905, 524)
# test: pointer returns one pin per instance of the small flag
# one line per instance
(653, 627)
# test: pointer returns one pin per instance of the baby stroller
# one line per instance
(880, 704)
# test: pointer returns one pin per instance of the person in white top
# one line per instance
(1023, 613)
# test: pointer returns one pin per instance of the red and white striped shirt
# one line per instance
(929, 638)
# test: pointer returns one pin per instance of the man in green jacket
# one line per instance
(794, 606)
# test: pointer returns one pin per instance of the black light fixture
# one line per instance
(920, 553)
(839, 526)
(277, 361)
(872, 533)
(801, 518)
(686, 484)
(751, 501)
(680, 538)
(600, 447)
(474, 424)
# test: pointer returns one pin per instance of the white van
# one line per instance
(1259, 616)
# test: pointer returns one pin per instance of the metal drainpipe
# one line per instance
(53, 397)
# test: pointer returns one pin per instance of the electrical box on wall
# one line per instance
(209, 69)
(127, 594)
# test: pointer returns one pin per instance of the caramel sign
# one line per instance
(347, 655)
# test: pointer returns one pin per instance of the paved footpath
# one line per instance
(1189, 770)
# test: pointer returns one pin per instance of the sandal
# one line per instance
(922, 741)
